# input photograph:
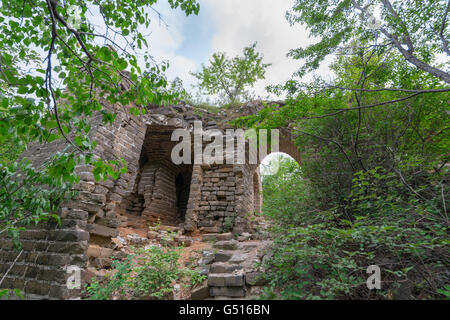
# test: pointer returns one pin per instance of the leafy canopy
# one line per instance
(416, 29)
(372, 188)
(60, 64)
(231, 77)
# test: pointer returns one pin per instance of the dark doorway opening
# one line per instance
(183, 186)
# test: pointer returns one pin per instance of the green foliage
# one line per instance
(176, 86)
(6, 293)
(228, 223)
(419, 26)
(9, 152)
(116, 283)
(156, 269)
(321, 255)
(55, 74)
(445, 291)
(230, 77)
(23, 200)
(372, 188)
(149, 273)
(195, 277)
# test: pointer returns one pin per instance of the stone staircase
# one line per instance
(226, 276)
(231, 267)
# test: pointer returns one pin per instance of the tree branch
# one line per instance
(362, 107)
(441, 30)
(332, 141)
(390, 89)
(12, 265)
(407, 54)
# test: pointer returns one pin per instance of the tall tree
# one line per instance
(413, 28)
(232, 76)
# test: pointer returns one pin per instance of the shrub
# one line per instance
(323, 255)
(149, 273)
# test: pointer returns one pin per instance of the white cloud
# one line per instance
(238, 23)
(165, 39)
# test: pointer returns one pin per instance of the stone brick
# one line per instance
(52, 275)
(200, 292)
(72, 223)
(226, 245)
(68, 247)
(103, 231)
(235, 279)
(52, 259)
(238, 257)
(74, 214)
(225, 236)
(58, 291)
(37, 287)
(97, 251)
(235, 292)
(209, 237)
(213, 229)
(68, 235)
(108, 222)
(223, 267)
(223, 255)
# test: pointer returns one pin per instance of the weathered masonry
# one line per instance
(209, 198)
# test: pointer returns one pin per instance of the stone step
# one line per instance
(233, 292)
(212, 237)
(223, 267)
(223, 255)
(227, 245)
(209, 237)
(200, 292)
(226, 298)
(235, 279)
(238, 257)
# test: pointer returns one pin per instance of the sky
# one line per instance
(228, 26)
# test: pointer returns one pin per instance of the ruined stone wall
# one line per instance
(213, 198)
(159, 192)
(124, 139)
(47, 249)
(194, 202)
(244, 197)
(217, 205)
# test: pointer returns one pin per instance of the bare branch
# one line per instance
(407, 54)
(365, 107)
(48, 82)
(407, 38)
(11, 266)
(332, 141)
(391, 89)
(441, 30)
(443, 203)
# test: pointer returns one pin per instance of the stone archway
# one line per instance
(286, 146)
(210, 198)
(257, 192)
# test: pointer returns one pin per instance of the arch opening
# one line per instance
(268, 166)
